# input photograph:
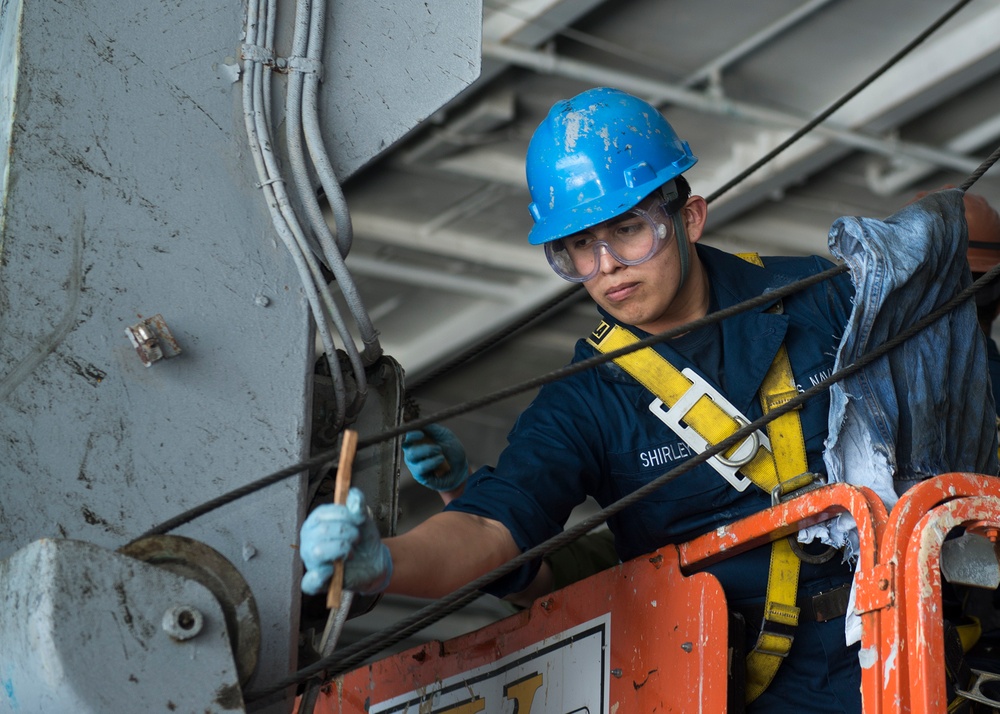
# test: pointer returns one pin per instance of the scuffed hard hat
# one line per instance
(594, 157)
(984, 233)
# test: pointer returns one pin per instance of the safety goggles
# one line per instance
(631, 239)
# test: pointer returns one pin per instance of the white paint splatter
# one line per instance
(868, 657)
(890, 663)
(572, 122)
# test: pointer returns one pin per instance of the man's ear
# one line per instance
(695, 213)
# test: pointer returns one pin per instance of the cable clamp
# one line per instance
(257, 53)
(305, 65)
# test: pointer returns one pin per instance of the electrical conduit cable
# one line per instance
(303, 185)
(255, 79)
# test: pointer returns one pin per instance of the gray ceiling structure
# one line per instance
(440, 254)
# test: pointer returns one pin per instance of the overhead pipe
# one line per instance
(477, 287)
(889, 182)
(657, 91)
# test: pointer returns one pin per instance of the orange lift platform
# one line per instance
(651, 635)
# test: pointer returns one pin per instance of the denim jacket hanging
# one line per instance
(926, 407)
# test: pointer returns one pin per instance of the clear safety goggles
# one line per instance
(631, 238)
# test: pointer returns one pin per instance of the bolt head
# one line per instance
(182, 622)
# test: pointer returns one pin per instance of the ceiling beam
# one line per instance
(711, 71)
(665, 92)
(529, 23)
(449, 242)
(508, 291)
(888, 182)
(439, 341)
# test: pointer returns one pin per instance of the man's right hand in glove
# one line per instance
(436, 458)
(333, 532)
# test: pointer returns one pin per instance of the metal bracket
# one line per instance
(152, 340)
(976, 694)
(796, 486)
(875, 588)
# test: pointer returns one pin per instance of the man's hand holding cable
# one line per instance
(344, 532)
(436, 458)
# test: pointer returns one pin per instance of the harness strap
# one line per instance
(766, 468)
(781, 615)
(706, 416)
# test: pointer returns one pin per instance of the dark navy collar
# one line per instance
(752, 338)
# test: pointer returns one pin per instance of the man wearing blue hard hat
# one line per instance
(612, 211)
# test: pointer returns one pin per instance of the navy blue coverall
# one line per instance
(592, 434)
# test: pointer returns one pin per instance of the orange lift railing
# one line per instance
(652, 634)
(787, 519)
(632, 638)
(912, 654)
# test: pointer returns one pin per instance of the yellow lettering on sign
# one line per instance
(522, 692)
(470, 707)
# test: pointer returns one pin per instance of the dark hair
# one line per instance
(683, 189)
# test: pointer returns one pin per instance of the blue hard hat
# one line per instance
(595, 156)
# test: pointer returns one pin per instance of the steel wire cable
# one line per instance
(819, 118)
(327, 457)
(332, 455)
(356, 653)
(982, 169)
(565, 297)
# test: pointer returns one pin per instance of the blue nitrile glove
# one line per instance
(332, 532)
(436, 458)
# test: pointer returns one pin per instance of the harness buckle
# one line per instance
(781, 645)
(777, 630)
(727, 467)
(796, 486)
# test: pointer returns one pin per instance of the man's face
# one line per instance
(650, 295)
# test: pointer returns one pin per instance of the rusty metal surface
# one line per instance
(196, 561)
(153, 340)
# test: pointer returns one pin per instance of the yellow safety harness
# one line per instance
(770, 463)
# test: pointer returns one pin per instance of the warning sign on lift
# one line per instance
(564, 674)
